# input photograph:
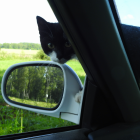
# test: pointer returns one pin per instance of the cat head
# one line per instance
(54, 42)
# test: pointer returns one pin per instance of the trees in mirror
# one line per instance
(40, 86)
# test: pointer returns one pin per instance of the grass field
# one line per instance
(34, 103)
(10, 54)
(14, 120)
(19, 51)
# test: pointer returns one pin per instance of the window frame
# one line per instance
(115, 110)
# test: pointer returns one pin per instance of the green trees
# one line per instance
(36, 83)
(16, 84)
(54, 83)
(24, 46)
(41, 55)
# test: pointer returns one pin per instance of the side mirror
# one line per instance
(43, 87)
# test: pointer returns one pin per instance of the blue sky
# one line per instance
(18, 18)
(129, 11)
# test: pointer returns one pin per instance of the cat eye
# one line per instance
(50, 45)
(67, 44)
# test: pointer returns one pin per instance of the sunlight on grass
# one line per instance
(19, 51)
(76, 66)
(34, 103)
(5, 64)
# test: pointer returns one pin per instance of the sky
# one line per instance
(129, 11)
(18, 18)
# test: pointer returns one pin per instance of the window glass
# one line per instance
(128, 13)
(20, 42)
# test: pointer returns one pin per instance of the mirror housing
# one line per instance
(67, 109)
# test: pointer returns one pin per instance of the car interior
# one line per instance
(111, 102)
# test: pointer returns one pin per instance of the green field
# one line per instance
(34, 103)
(14, 120)
(10, 54)
(19, 51)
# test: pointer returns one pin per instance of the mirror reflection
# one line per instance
(36, 85)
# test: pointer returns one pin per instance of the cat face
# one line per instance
(54, 42)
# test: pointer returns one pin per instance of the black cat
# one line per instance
(56, 45)
(54, 42)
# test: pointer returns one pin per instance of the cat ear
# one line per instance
(41, 21)
(43, 26)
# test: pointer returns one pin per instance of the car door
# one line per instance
(110, 108)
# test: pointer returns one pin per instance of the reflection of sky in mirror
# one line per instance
(45, 71)
(129, 11)
(18, 20)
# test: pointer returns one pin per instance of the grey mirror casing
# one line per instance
(68, 109)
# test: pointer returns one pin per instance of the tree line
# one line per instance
(24, 46)
(37, 83)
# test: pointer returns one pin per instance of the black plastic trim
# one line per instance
(40, 132)
(118, 22)
(97, 111)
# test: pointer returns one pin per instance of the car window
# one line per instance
(19, 42)
(129, 23)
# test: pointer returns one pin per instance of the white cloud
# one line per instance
(128, 17)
